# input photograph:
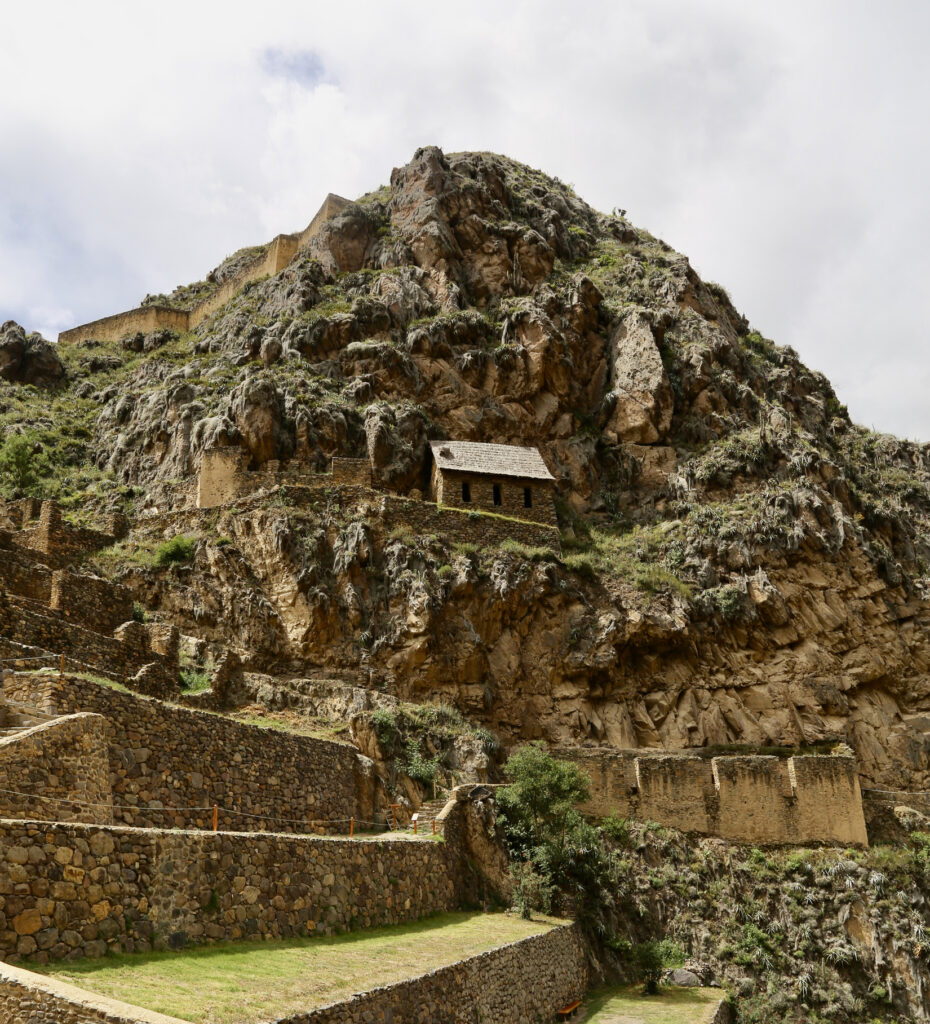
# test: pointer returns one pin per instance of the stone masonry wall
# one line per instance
(522, 983)
(62, 766)
(122, 655)
(111, 328)
(447, 490)
(163, 756)
(29, 998)
(61, 542)
(743, 799)
(22, 576)
(67, 888)
(94, 603)
(352, 471)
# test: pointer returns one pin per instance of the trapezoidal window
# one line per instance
(497, 494)
(527, 497)
(466, 491)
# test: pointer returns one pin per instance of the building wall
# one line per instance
(71, 889)
(61, 542)
(446, 489)
(220, 479)
(63, 769)
(743, 799)
(162, 756)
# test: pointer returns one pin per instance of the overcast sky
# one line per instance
(783, 147)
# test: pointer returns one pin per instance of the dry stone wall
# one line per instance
(743, 799)
(94, 603)
(29, 998)
(521, 983)
(355, 472)
(447, 490)
(59, 771)
(61, 542)
(170, 765)
(69, 889)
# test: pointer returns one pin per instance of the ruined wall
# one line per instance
(111, 328)
(332, 206)
(62, 766)
(220, 479)
(122, 655)
(170, 765)
(73, 889)
(521, 983)
(743, 799)
(21, 575)
(355, 472)
(447, 484)
(94, 603)
(61, 542)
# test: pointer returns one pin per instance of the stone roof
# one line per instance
(490, 459)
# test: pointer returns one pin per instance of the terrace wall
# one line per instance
(169, 765)
(743, 799)
(59, 770)
(69, 889)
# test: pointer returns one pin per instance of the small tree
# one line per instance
(652, 958)
(21, 466)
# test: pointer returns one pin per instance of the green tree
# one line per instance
(21, 465)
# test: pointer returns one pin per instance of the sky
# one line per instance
(785, 148)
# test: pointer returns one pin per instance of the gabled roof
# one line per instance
(490, 459)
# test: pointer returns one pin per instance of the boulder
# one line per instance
(28, 359)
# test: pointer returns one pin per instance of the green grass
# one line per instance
(627, 1005)
(239, 983)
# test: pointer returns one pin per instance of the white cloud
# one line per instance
(782, 146)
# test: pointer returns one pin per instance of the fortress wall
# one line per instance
(753, 792)
(522, 983)
(827, 796)
(332, 206)
(679, 789)
(743, 799)
(163, 756)
(94, 603)
(83, 890)
(111, 328)
(63, 766)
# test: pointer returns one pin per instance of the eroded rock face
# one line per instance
(28, 359)
(643, 400)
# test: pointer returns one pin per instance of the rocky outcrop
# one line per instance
(640, 391)
(28, 359)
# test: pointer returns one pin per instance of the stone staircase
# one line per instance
(427, 813)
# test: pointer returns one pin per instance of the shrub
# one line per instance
(531, 889)
(21, 467)
(139, 613)
(178, 549)
(652, 958)
(194, 680)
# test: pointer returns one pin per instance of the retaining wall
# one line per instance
(521, 983)
(352, 471)
(163, 757)
(95, 603)
(61, 542)
(743, 799)
(144, 319)
(133, 647)
(82, 890)
(63, 765)
(29, 998)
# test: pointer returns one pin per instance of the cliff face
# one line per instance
(740, 563)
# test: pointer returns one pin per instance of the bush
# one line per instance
(652, 958)
(178, 549)
(194, 680)
(531, 890)
(139, 613)
(21, 466)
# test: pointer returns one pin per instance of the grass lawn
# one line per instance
(626, 1004)
(231, 983)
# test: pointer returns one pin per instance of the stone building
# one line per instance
(504, 478)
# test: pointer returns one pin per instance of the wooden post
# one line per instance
(216, 815)
(351, 827)
(394, 809)
(415, 822)
(61, 669)
(434, 826)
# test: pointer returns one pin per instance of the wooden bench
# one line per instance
(567, 1011)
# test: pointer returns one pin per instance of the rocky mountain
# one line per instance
(739, 564)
